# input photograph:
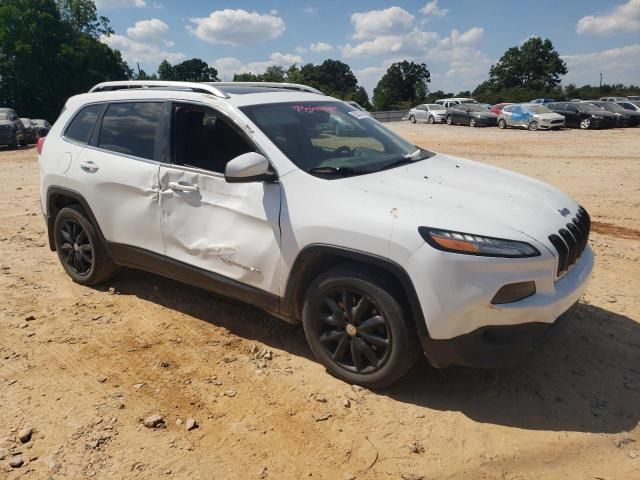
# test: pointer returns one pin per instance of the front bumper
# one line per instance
(548, 124)
(455, 293)
(493, 347)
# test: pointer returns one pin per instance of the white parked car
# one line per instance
(380, 248)
(450, 102)
(428, 112)
(529, 115)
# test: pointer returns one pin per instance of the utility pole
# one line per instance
(600, 80)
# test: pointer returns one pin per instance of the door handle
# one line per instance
(178, 187)
(89, 165)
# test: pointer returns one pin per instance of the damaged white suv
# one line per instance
(378, 247)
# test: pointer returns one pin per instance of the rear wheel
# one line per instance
(472, 122)
(502, 123)
(585, 123)
(357, 329)
(533, 126)
(79, 248)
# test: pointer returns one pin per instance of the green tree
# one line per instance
(194, 70)
(82, 16)
(45, 57)
(273, 73)
(361, 97)
(404, 85)
(332, 77)
(535, 65)
(246, 77)
(165, 71)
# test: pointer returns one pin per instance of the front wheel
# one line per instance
(533, 126)
(431, 120)
(412, 119)
(449, 121)
(584, 124)
(502, 123)
(79, 248)
(357, 328)
(472, 122)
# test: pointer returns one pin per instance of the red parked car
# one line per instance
(497, 108)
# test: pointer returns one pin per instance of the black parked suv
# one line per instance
(12, 131)
(583, 115)
(30, 130)
(624, 117)
(43, 127)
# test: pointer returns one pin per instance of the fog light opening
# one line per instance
(514, 292)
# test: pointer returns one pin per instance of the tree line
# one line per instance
(51, 50)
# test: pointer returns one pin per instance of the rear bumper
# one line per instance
(493, 347)
(7, 138)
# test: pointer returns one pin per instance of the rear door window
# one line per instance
(131, 127)
(79, 130)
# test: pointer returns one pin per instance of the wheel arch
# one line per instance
(57, 199)
(318, 258)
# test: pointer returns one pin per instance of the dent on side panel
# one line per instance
(231, 229)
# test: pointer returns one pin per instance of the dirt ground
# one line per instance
(82, 366)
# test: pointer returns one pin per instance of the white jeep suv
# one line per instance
(378, 247)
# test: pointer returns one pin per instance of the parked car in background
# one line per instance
(634, 98)
(488, 106)
(614, 99)
(30, 130)
(497, 108)
(543, 101)
(479, 275)
(624, 117)
(583, 115)
(533, 116)
(12, 132)
(470, 114)
(448, 102)
(43, 127)
(428, 112)
(630, 105)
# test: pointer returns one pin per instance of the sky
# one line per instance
(458, 40)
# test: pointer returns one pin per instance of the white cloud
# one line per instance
(471, 36)
(432, 9)
(237, 27)
(227, 66)
(375, 23)
(310, 10)
(617, 66)
(148, 29)
(135, 51)
(623, 18)
(320, 47)
(120, 3)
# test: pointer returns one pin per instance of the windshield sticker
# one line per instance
(313, 108)
(359, 114)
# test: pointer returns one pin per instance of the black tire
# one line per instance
(472, 122)
(85, 260)
(373, 357)
(449, 120)
(431, 119)
(23, 142)
(412, 119)
(502, 124)
(533, 126)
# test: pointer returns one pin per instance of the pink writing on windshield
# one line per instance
(313, 108)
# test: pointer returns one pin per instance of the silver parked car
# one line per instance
(529, 115)
(428, 112)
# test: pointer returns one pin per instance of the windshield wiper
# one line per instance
(334, 171)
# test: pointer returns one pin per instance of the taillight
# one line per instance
(40, 144)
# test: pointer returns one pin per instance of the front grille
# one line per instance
(571, 241)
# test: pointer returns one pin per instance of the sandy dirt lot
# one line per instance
(82, 366)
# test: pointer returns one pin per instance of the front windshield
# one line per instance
(434, 106)
(331, 137)
(538, 109)
(588, 107)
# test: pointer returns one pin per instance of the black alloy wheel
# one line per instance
(353, 331)
(76, 248)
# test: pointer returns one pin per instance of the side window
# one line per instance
(80, 127)
(131, 128)
(508, 109)
(203, 139)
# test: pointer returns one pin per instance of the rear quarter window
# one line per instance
(79, 130)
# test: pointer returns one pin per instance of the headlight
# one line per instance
(469, 244)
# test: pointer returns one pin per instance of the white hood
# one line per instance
(458, 194)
